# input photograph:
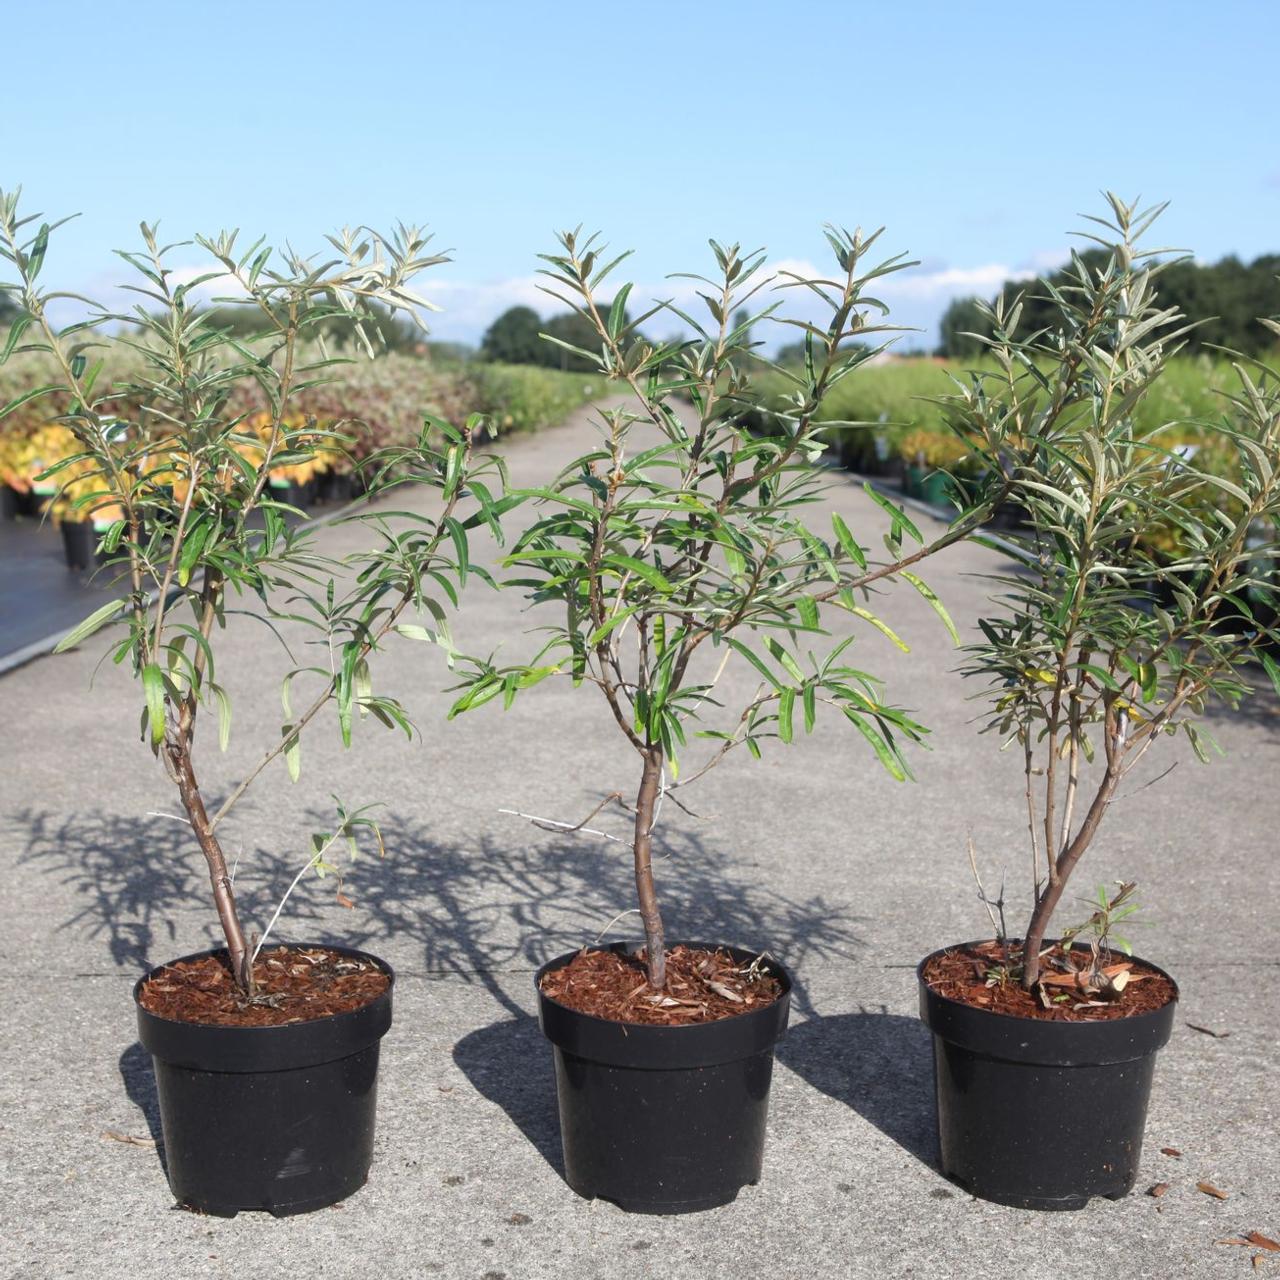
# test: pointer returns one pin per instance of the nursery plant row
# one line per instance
(381, 406)
(689, 538)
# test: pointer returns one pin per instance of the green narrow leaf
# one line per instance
(786, 708)
(412, 631)
(785, 660)
(883, 627)
(224, 715)
(1151, 681)
(1272, 670)
(755, 660)
(935, 604)
(94, 622)
(618, 310)
(848, 542)
(452, 471)
(153, 688)
(616, 621)
(459, 536)
(193, 544)
(878, 744)
(362, 683)
(652, 576)
(807, 608)
(810, 707)
(292, 751)
(900, 518)
(1196, 745)
(344, 688)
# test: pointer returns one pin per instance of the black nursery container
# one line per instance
(290, 493)
(1040, 1114)
(79, 538)
(663, 1119)
(274, 1118)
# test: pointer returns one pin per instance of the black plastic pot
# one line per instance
(290, 493)
(1039, 1114)
(14, 504)
(663, 1119)
(79, 538)
(273, 1118)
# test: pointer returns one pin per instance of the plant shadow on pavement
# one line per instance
(879, 1064)
(140, 1086)
(502, 908)
(1261, 710)
(486, 912)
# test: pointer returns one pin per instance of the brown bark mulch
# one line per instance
(702, 986)
(962, 974)
(294, 984)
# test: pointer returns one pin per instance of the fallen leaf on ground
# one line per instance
(130, 1139)
(1263, 1242)
(1209, 1031)
(1158, 1190)
(1171, 1151)
(1210, 1190)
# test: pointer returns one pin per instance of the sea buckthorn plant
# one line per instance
(186, 477)
(1106, 643)
(683, 533)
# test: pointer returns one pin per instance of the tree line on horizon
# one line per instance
(516, 337)
(1224, 299)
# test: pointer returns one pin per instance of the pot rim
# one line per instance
(1014, 1019)
(328, 1018)
(777, 969)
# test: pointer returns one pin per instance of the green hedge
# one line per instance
(894, 397)
(522, 397)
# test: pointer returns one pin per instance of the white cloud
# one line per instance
(1049, 259)
(917, 295)
(221, 286)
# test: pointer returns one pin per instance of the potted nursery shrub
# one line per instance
(930, 462)
(265, 1058)
(1045, 1044)
(675, 547)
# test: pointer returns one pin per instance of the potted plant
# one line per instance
(1044, 1044)
(929, 461)
(674, 548)
(265, 1059)
(16, 498)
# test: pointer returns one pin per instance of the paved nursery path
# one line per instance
(39, 596)
(813, 853)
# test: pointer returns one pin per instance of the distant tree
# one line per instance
(1039, 311)
(578, 332)
(1227, 297)
(960, 322)
(399, 333)
(448, 353)
(1224, 298)
(513, 338)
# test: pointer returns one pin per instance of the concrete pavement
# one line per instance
(813, 853)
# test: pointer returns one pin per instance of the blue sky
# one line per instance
(977, 133)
